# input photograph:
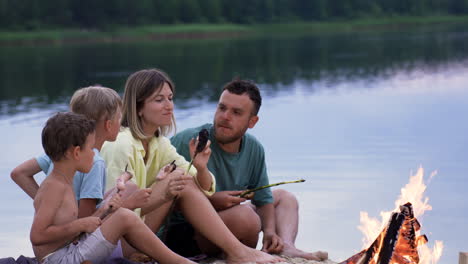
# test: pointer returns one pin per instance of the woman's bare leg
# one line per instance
(125, 223)
(201, 214)
(154, 218)
(242, 221)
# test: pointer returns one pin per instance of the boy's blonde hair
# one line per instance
(139, 86)
(96, 102)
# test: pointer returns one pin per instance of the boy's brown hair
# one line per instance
(65, 130)
(96, 102)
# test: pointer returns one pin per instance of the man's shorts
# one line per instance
(93, 247)
(180, 239)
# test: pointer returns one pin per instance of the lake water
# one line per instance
(352, 113)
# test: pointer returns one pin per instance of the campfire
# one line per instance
(399, 241)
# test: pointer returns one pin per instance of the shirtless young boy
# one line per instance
(68, 140)
(103, 105)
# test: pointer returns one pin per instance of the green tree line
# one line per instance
(102, 14)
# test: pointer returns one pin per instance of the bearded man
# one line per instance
(238, 163)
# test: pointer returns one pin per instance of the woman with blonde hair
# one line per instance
(142, 149)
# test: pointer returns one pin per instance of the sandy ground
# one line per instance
(289, 260)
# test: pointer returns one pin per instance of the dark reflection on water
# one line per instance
(351, 113)
(37, 77)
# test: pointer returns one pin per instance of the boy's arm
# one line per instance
(43, 230)
(91, 189)
(87, 207)
(23, 175)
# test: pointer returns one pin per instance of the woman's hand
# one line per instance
(138, 198)
(164, 172)
(177, 180)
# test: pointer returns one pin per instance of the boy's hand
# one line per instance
(226, 199)
(122, 179)
(138, 199)
(89, 224)
(202, 158)
(115, 202)
(176, 184)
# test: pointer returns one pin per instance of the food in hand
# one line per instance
(203, 136)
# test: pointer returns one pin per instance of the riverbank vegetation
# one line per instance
(61, 21)
(105, 14)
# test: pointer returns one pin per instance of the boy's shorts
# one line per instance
(92, 247)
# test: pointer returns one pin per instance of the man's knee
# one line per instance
(244, 218)
(283, 196)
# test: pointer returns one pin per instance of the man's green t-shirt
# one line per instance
(233, 171)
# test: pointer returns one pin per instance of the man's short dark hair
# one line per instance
(65, 130)
(240, 87)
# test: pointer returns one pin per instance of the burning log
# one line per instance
(397, 243)
(463, 258)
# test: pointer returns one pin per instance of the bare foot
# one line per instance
(250, 255)
(291, 251)
(142, 258)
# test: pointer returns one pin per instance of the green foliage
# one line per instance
(105, 14)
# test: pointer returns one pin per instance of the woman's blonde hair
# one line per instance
(96, 103)
(139, 86)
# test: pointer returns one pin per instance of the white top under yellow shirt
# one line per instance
(128, 151)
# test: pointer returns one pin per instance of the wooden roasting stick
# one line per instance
(243, 194)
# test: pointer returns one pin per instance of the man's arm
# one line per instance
(204, 176)
(272, 243)
(23, 175)
(43, 230)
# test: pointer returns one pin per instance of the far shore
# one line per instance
(213, 31)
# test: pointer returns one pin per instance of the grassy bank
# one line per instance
(196, 31)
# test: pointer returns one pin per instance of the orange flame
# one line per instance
(413, 192)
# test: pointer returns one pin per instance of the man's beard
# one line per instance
(227, 140)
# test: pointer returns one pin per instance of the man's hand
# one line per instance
(226, 199)
(202, 158)
(272, 243)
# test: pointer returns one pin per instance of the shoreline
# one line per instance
(214, 31)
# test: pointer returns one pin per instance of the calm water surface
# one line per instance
(352, 113)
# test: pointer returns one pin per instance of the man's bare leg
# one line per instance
(199, 212)
(124, 223)
(287, 222)
(242, 221)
